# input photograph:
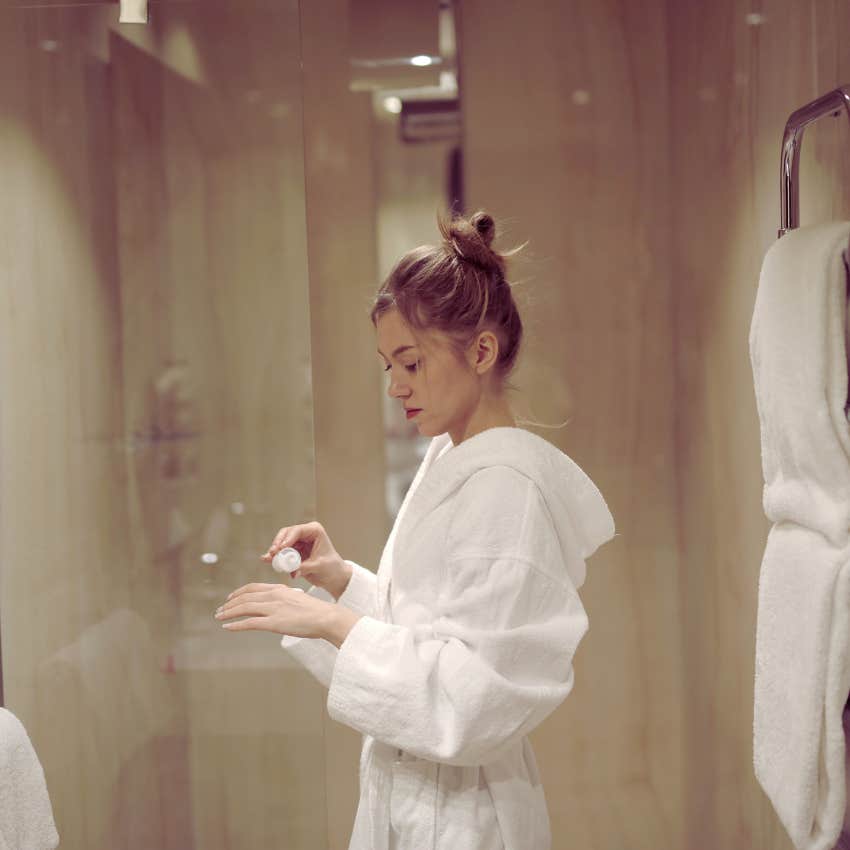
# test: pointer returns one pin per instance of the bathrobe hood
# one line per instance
(578, 510)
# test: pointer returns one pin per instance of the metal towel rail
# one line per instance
(829, 104)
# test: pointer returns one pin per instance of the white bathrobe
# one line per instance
(466, 644)
(26, 815)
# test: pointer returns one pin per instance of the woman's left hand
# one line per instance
(276, 608)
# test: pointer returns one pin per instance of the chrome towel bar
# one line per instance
(831, 103)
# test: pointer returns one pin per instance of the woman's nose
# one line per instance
(395, 389)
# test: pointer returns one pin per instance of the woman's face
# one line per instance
(447, 400)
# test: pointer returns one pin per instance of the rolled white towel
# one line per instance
(845, 834)
(799, 357)
(133, 12)
(26, 816)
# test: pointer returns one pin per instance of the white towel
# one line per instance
(845, 833)
(26, 816)
(802, 676)
(133, 12)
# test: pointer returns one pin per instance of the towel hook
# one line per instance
(828, 104)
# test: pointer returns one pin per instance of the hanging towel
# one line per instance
(133, 12)
(802, 674)
(844, 838)
(26, 816)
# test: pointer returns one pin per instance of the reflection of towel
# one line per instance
(133, 12)
(802, 679)
(118, 671)
(26, 816)
(109, 732)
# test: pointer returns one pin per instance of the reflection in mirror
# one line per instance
(406, 57)
(156, 425)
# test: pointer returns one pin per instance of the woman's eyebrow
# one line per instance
(397, 351)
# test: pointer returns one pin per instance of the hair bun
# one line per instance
(471, 238)
(486, 227)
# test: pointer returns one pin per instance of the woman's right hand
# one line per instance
(321, 564)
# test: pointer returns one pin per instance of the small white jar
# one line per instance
(288, 560)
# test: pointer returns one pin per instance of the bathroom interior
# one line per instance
(196, 211)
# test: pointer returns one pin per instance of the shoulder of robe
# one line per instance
(499, 512)
(13, 736)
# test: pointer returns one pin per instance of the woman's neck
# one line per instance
(497, 413)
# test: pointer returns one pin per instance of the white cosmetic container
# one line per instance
(288, 560)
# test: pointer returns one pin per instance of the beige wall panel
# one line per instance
(389, 31)
(347, 386)
(736, 80)
(566, 143)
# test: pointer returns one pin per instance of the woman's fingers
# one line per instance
(251, 588)
(248, 608)
(277, 610)
(279, 538)
(275, 544)
(251, 623)
(300, 537)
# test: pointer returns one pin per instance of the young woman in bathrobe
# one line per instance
(462, 643)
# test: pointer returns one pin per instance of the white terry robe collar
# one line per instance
(577, 508)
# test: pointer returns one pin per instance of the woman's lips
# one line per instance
(412, 412)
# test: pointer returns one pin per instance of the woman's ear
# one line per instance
(486, 352)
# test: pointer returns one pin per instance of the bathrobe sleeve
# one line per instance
(319, 656)
(496, 660)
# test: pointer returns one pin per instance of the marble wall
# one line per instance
(370, 198)
(637, 147)
(566, 143)
(156, 425)
(739, 73)
(347, 384)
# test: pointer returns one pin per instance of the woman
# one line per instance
(463, 641)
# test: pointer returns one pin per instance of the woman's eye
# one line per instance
(411, 368)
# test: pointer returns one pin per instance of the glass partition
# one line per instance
(155, 417)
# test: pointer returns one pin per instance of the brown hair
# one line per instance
(457, 287)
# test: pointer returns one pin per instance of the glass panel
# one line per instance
(156, 417)
(405, 56)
